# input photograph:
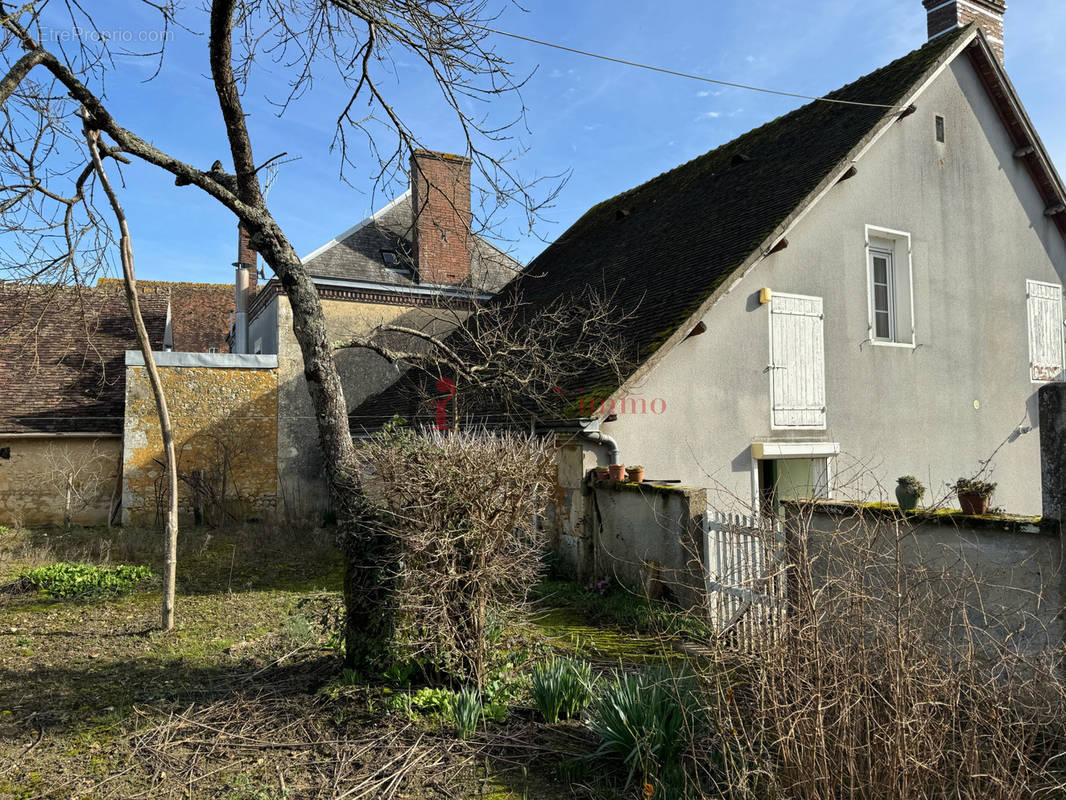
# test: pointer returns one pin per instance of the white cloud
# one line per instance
(707, 93)
(709, 115)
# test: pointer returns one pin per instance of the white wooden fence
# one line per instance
(745, 578)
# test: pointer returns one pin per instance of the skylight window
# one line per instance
(389, 259)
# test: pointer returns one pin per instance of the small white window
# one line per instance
(1044, 301)
(891, 299)
(212, 349)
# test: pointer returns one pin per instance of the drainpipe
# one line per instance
(598, 437)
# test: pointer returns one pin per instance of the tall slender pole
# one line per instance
(170, 547)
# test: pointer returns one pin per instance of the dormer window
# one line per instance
(392, 262)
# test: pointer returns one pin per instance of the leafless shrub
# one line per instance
(461, 510)
(887, 684)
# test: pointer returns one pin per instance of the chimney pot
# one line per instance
(945, 16)
(441, 218)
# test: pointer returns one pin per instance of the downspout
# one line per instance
(601, 438)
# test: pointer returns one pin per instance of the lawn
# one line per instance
(246, 699)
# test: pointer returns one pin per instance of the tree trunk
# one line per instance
(369, 552)
(129, 281)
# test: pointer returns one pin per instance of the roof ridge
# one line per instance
(938, 46)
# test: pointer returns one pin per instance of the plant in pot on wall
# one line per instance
(909, 491)
(974, 495)
(617, 472)
(636, 473)
(601, 473)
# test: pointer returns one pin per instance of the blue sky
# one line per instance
(611, 126)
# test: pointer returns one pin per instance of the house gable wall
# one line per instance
(978, 232)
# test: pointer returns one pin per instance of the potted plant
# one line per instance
(601, 473)
(617, 472)
(909, 491)
(974, 495)
(636, 473)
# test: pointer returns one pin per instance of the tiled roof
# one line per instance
(200, 313)
(62, 356)
(662, 248)
(358, 257)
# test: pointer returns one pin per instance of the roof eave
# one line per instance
(1011, 110)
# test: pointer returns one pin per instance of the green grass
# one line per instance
(619, 608)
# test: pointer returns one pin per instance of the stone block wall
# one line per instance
(35, 472)
(224, 410)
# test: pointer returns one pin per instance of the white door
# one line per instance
(1045, 330)
(797, 362)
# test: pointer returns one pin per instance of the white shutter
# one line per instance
(797, 362)
(1045, 330)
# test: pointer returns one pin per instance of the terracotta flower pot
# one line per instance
(602, 473)
(636, 475)
(618, 472)
(973, 503)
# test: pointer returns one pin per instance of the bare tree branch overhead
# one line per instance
(52, 232)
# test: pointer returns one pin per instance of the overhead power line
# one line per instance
(679, 74)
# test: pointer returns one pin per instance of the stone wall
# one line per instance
(224, 410)
(34, 473)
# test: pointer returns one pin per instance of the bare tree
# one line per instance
(129, 282)
(504, 361)
(46, 83)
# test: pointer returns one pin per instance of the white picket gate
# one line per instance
(745, 578)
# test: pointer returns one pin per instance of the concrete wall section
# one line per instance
(993, 585)
(225, 421)
(45, 478)
(650, 538)
(938, 410)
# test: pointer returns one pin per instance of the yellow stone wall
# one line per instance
(33, 479)
(225, 433)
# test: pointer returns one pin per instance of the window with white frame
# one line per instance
(891, 299)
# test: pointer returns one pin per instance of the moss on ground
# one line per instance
(92, 693)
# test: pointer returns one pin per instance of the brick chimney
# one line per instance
(440, 207)
(947, 16)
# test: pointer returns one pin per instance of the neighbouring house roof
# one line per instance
(200, 313)
(665, 249)
(62, 356)
(356, 254)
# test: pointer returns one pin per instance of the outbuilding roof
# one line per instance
(62, 356)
